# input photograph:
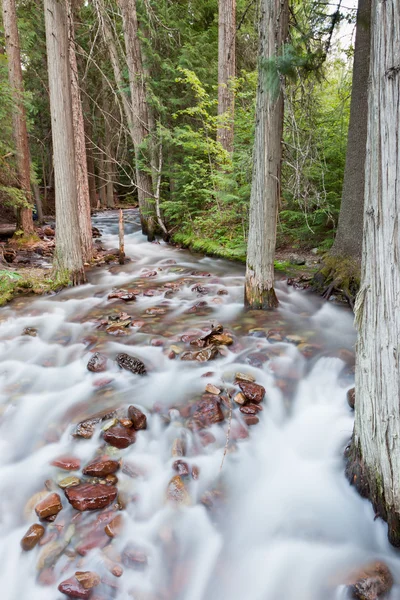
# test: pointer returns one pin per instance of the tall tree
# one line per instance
(140, 113)
(374, 458)
(267, 157)
(24, 215)
(68, 244)
(81, 171)
(226, 71)
(348, 241)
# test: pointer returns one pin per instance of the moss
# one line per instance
(338, 275)
(29, 280)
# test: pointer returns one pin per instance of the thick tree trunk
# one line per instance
(348, 241)
(24, 215)
(267, 157)
(91, 176)
(140, 121)
(82, 181)
(226, 71)
(374, 462)
(68, 246)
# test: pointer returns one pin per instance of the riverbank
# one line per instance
(25, 267)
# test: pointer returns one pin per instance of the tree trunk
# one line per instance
(226, 71)
(24, 215)
(102, 182)
(267, 157)
(374, 461)
(68, 246)
(348, 241)
(140, 121)
(38, 202)
(82, 182)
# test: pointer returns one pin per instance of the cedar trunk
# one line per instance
(140, 114)
(24, 215)
(82, 181)
(267, 156)
(374, 461)
(226, 71)
(348, 241)
(68, 246)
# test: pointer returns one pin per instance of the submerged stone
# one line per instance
(91, 496)
(32, 536)
(97, 363)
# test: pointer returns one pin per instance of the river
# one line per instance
(267, 513)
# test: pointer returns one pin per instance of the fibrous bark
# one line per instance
(374, 457)
(348, 241)
(20, 131)
(82, 181)
(68, 246)
(140, 112)
(226, 71)
(267, 156)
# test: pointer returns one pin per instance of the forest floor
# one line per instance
(25, 265)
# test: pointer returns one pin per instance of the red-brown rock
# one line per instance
(67, 463)
(139, 419)
(49, 506)
(181, 467)
(101, 467)
(252, 391)
(208, 412)
(251, 419)
(97, 363)
(73, 589)
(351, 397)
(32, 536)
(119, 436)
(371, 582)
(91, 497)
(133, 558)
(114, 527)
(250, 409)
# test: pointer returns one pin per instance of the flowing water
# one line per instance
(270, 515)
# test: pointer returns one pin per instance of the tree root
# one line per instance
(339, 276)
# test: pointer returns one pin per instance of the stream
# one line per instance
(259, 508)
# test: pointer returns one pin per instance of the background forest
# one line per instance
(203, 190)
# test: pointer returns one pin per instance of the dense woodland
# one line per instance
(236, 128)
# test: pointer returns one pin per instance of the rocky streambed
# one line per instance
(159, 443)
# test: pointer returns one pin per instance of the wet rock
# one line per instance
(181, 467)
(275, 335)
(205, 340)
(178, 448)
(206, 438)
(97, 363)
(101, 467)
(73, 589)
(244, 377)
(30, 331)
(351, 397)
(249, 409)
(239, 398)
(114, 527)
(252, 391)
(67, 463)
(88, 579)
(202, 355)
(222, 292)
(149, 274)
(119, 436)
(295, 339)
(171, 355)
(212, 389)
(251, 419)
(32, 536)
(50, 554)
(208, 412)
(126, 423)
(221, 339)
(48, 231)
(85, 429)
(195, 472)
(371, 583)
(212, 499)
(68, 482)
(49, 506)
(177, 492)
(139, 419)
(91, 497)
(131, 363)
(134, 558)
(155, 310)
(122, 295)
(201, 290)
(96, 232)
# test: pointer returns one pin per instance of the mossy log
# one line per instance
(338, 275)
